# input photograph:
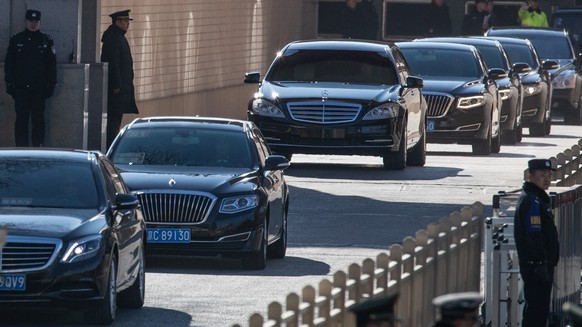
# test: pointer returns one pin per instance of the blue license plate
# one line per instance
(15, 282)
(430, 125)
(168, 235)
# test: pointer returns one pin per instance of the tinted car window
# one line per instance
(492, 57)
(42, 183)
(359, 67)
(182, 147)
(572, 23)
(442, 62)
(518, 53)
(552, 47)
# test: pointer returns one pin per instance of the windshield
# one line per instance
(572, 23)
(45, 183)
(520, 53)
(442, 62)
(183, 147)
(492, 56)
(352, 67)
(552, 47)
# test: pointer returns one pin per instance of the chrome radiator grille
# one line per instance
(170, 208)
(324, 112)
(437, 104)
(27, 254)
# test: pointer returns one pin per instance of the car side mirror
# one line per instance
(276, 162)
(520, 68)
(414, 82)
(254, 78)
(125, 201)
(496, 73)
(550, 64)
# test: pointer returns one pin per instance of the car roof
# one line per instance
(436, 45)
(183, 121)
(339, 44)
(509, 39)
(462, 39)
(528, 30)
(51, 154)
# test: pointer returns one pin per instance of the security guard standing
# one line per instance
(376, 312)
(458, 309)
(532, 15)
(536, 239)
(30, 72)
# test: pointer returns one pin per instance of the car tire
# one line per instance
(519, 134)
(397, 160)
(134, 296)
(510, 136)
(278, 249)
(547, 126)
(574, 117)
(496, 143)
(257, 260)
(483, 147)
(537, 129)
(417, 157)
(104, 312)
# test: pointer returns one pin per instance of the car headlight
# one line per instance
(266, 108)
(533, 89)
(505, 94)
(565, 80)
(471, 102)
(238, 203)
(385, 111)
(82, 249)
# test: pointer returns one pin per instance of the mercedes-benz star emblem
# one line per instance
(324, 95)
(172, 182)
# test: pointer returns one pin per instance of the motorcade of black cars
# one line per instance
(462, 94)
(342, 97)
(207, 186)
(75, 235)
(537, 108)
(510, 87)
(555, 44)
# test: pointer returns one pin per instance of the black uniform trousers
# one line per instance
(30, 107)
(537, 297)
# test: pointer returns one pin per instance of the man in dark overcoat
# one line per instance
(116, 52)
(30, 73)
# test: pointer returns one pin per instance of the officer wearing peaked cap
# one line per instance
(376, 312)
(458, 309)
(536, 240)
(30, 72)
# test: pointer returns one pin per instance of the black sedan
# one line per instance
(341, 97)
(462, 95)
(555, 44)
(510, 88)
(75, 235)
(207, 186)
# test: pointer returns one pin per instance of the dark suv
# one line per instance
(342, 97)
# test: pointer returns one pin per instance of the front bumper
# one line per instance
(533, 109)
(461, 126)
(565, 99)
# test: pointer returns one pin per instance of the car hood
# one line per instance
(452, 86)
(318, 91)
(46, 222)
(201, 179)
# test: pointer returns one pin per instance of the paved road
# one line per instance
(343, 209)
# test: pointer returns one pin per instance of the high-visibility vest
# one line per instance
(532, 18)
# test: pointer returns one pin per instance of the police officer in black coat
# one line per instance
(536, 239)
(473, 22)
(116, 52)
(30, 73)
(458, 309)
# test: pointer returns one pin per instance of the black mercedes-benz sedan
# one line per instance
(76, 237)
(207, 186)
(462, 95)
(343, 97)
(555, 44)
(510, 87)
(537, 109)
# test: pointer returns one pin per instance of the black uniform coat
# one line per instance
(31, 63)
(116, 52)
(536, 236)
(438, 20)
(473, 23)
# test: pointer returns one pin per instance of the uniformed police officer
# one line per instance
(376, 312)
(30, 72)
(458, 309)
(116, 52)
(536, 239)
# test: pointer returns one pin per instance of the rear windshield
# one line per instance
(45, 183)
(520, 53)
(353, 67)
(442, 62)
(183, 147)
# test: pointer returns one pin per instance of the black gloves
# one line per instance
(10, 88)
(541, 273)
(49, 90)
